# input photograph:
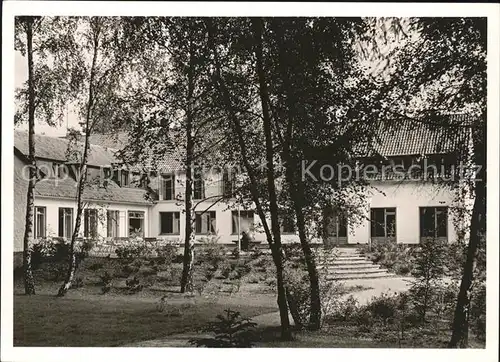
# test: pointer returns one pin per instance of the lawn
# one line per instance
(87, 317)
(45, 320)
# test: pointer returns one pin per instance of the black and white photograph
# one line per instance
(312, 178)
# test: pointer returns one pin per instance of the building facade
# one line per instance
(399, 210)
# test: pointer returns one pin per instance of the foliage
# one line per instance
(477, 313)
(231, 330)
(397, 258)
(298, 293)
(133, 249)
(428, 273)
(166, 253)
(134, 285)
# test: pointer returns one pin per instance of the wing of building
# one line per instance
(397, 209)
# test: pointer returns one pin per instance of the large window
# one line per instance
(205, 223)
(169, 223)
(136, 223)
(65, 222)
(228, 185)
(198, 185)
(335, 225)
(40, 222)
(383, 222)
(434, 222)
(113, 223)
(287, 225)
(90, 223)
(245, 221)
(168, 187)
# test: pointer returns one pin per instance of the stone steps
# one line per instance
(363, 266)
(348, 276)
(347, 263)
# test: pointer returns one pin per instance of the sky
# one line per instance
(21, 76)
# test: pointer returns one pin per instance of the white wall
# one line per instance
(407, 198)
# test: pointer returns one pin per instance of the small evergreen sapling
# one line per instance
(231, 330)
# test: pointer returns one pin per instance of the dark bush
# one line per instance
(383, 308)
(134, 285)
(230, 330)
(478, 312)
(77, 283)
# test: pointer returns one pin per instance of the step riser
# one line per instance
(350, 277)
(348, 267)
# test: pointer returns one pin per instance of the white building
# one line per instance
(401, 211)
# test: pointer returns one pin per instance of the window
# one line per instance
(124, 179)
(228, 185)
(56, 170)
(433, 222)
(335, 223)
(168, 187)
(383, 222)
(245, 221)
(90, 223)
(40, 222)
(287, 224)
(113, 223)
(199, 187)
(121, 177)
(136, 223)
(65, 222)
(169, 223)
(205, 223)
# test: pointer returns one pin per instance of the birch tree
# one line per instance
(45, 42)
(101, 62)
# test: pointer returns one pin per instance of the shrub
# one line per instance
(478, 312)
(298, 293)
(57, 271)
(147, 270)
(96, 266)
(77, 283)
(84, 248)
(166, 253)
(231, 330)
(134, 285)
(395, 257)
(428, 273)
(383, 308)
(342, 310)
(41, 250)
(135, 248)
(106, 279)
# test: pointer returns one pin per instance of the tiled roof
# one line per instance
(112, 192)
(55, 148)
(170, 162)
(114, 141)
(411, 137)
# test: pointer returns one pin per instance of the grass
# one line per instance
(43, 320)
(86, 317)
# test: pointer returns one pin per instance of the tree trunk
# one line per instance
(29, 283)
(460, 329)
(257, 24)
(312, 271)
(296, 189)
(82, 178)
(188, 260)
(276, 250)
